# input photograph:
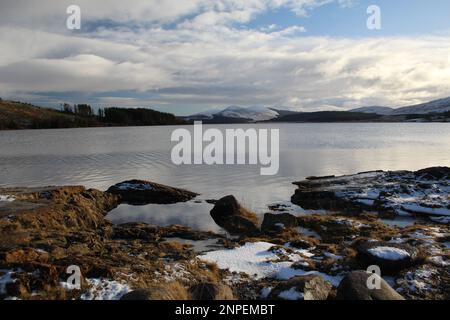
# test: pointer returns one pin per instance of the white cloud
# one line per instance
(207, 60)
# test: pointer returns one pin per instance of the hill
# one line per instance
(236, 114)
(375, 109)
(436, 106)
(328, 116)
(17, 115)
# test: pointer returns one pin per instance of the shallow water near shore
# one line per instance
(101, 157)
(189, 214)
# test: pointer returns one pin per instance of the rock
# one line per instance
(159, 292)
(210, 291)
(235, 219)
(309, 287)
(137, 295)
(354, 287)
(139, 192)
(16, 289)
(434, 173)
(390, 257)
(378, 191)
(301, 244)
(276, 222)
(24, 255)
(319, 200)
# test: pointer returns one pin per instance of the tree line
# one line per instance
(122, 116)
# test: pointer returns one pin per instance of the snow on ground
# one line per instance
(350, 223)
(5, 278)
(308, 233)
(6, 198)
(389, 253)
(257, 260)
(440, 261)
(404, 192)
(264, 293)
(417, 280)
(102, 289)
(425, 210)
(291, 294)
(443, 220)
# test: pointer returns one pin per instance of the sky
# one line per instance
(191, 56)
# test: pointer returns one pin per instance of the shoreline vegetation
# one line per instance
(283, 255)
(16, 115)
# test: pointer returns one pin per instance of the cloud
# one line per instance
(41, 12)
(208, 58)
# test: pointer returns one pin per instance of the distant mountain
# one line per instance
(283, 112)
(252, 113)
(375, 109)
(235, 114)
(436, 106)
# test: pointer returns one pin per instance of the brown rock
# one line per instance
(389, 265)
(211, 291)
(277, 222)
(310, 287)
(354, 287)
(164, 291)
(235, 219)
(140, 192)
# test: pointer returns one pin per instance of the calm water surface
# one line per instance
(101, 157)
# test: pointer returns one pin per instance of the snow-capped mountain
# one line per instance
(255, 113)
(436, 106)
(375, 109)
(252, 113)
(204, 115)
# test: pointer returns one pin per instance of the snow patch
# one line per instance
(6, 198)
(291, 294)
(440, 261)
(264, 293)
(257, 260)
(389, 253)
(420, 209)
(102, 289)
(5, 279)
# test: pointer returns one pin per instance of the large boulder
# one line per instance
(354, 287)
(314, 199)
(434, 173)
(276, 222)
(137, 295)
(390, 257)
(234, 218)
(211, 291)
(159, 292)
(311, 287)
(139, 192)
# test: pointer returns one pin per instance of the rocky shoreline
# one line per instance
(284, 255)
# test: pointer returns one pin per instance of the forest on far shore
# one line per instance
(17, 115)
